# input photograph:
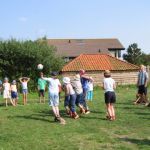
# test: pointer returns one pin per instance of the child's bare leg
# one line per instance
(16, 102)
(24, 98)
(12, 102)
(57, 110)
(108, 109)
(112, 111)
(44, 99)
(54, 111)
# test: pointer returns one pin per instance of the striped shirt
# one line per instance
(142, 77)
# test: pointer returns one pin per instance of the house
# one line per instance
(72, 48)
(95, 65)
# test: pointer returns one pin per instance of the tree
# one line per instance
(20, 58)
(145, 59)
(133, 54)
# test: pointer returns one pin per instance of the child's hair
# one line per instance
(5, 79)
(107, 74)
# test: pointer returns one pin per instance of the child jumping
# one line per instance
(54, 96)
(110, 97)
(71, 97)
(6, 92)
(24, 81)
(77, 86)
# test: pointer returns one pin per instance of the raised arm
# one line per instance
(28, 79)
(20, 79)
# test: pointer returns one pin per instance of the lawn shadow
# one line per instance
(32, 117)
(145, 114)
(50, 113)
(96, 112)
(137, 141)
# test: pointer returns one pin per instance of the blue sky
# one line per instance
(127, 20)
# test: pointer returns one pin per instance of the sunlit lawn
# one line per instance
(32, 127)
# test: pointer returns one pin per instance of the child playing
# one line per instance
(77, 86)
(6, 92)
(84, 81)
(54, 95)
(14, 93)
(24, 81)
(110, 97)
(71, 97)
(41, 88)
(90, 90)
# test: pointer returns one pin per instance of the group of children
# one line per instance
(78, 90)
(10, 92)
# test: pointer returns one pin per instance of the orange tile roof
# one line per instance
(98, 62)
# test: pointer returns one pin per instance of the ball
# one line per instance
(39, 66)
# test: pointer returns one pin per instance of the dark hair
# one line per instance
(106, 75)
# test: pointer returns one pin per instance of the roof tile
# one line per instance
(98, 62)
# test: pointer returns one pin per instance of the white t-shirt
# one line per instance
(109, 84)
(24, 85)
(53, 85)
(90, 86)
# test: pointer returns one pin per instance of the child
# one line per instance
(14, 93)
(53, 87)
(41, 88)
(110, 97)
(6, 92)
(24, 81)
(90, 90)
(71, 97)
(77, 86)
(84, 82)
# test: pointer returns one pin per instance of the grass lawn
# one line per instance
(32, 127)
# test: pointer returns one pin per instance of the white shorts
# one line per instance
(6, 94)
(53, 99)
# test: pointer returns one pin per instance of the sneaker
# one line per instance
(87, 111)
(56, 119)
(75, 115)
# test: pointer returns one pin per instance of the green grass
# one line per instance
(31, 127)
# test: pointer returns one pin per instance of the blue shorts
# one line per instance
(14, 95)
(24, 91)
(53, 99)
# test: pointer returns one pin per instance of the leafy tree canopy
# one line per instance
(20, 58)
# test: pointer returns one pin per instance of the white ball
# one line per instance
(40, 66)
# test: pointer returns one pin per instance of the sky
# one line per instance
(127, 20)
